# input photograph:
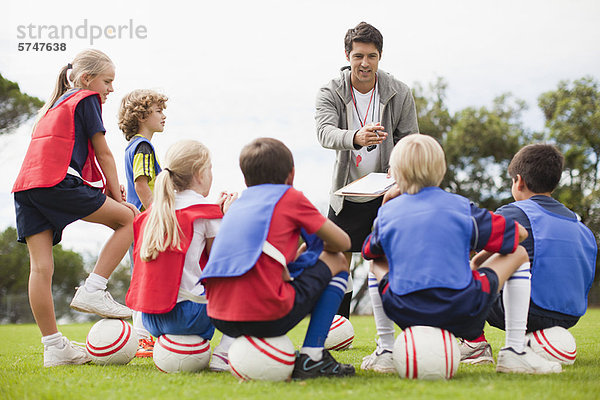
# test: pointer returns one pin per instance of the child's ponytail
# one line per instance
(89, 62)
(184, 160)
(162, 229)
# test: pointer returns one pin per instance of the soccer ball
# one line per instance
(341, 334)
(554, 344)
(426, 352)
(111, 341)
(264, 359)
(181, 353)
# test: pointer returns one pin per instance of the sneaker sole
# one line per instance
(507, 370)
(58, 364)
(103, 315)
(478, 361)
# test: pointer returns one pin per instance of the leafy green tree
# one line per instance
(14, 276)
(15, 107)
(479, 142)
(572, 114)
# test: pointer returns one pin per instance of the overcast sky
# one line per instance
(237, 70)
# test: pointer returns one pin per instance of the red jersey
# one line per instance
(261, 294)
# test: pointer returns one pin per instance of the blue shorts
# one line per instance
(55, 207)
(462, 312)
(186, 318)
(309, 286)
(537, 318)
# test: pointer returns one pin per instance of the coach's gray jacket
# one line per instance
(334, 115)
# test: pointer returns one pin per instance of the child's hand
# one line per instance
(225, 200)
(123, 193)
(392, 192)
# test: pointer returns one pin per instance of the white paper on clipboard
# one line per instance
(374, 184)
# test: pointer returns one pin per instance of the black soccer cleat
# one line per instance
(306, 368)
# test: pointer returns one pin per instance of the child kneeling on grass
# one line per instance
(420, 248)
(248, 283)
(172, 240)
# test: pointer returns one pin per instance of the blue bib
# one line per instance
(243, 231)
(132, 196)
(564, 260)
(426, 238)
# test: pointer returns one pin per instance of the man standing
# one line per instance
(361, 115)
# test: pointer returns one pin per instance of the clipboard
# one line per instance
(374, 184)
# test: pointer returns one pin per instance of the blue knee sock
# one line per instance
(324, 311)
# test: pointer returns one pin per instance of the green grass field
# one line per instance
(22, 375)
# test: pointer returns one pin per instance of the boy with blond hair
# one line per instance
(420, 248)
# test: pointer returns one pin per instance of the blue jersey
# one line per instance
(427, 238)
(564, 258)
(130, 152)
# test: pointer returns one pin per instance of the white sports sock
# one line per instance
(384, 325)
(54, 340)
(315, 353)
(95, 282)
(515, 297)
(138, 325)
(224, 344)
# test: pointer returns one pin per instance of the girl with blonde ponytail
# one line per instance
(68, 174)
(172, 241)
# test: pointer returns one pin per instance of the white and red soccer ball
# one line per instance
(111, 341)
(341, 334)
(181, 353)
(265, 359)
(554, 344)
(425, 352)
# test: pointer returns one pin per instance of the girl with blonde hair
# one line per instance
(172, 242)
(68, 174)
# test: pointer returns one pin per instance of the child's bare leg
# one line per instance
(335, 261)
(504, 265)
(92, 297)
(40, 281)
(119, 218)
(379, 268)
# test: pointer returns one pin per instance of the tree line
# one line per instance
(479, 143)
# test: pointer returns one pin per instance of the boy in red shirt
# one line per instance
(256, 284)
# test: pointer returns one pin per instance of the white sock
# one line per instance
(138, 325)
(384, 325)
(515, 297)
(54, 340)
(95, 282)
(224, 344)
(315, 353)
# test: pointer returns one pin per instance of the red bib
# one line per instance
(49, 153)
(155, 284)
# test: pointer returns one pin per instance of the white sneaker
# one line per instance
(99, 302)
(69, 354)
(527, 362)
(219, 362)
(475, 352)
(379, 361)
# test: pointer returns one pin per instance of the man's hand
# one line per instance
(370, 134)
